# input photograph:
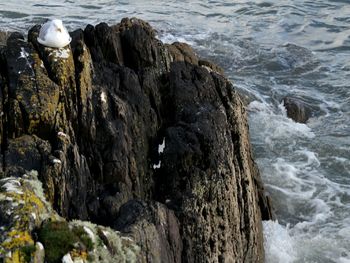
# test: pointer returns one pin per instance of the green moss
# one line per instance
(28, 252)
(57, 239)
(99, 242)
(84, 237)
(90, 258)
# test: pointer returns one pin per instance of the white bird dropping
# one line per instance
(54, 34)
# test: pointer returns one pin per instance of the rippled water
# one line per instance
(270, 49)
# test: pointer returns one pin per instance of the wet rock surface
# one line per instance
(129, 133)
(297, 110)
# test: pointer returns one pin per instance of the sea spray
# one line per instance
(279, 246)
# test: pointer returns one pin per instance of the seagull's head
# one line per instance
(58, 25)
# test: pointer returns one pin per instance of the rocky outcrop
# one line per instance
(128, 133)
(297, 110)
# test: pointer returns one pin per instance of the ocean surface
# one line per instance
(269, 49)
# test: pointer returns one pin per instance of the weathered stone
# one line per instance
(109, 120)
(182, 52)
(154, 227)
(105, 43)
(24, 154)
(205, 173)
(141, 48)
(297, 110)
(84, 76)
(211, 67)
(60, 67)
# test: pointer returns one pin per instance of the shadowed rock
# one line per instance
(153, 226)
(297, 110)
(129, 133)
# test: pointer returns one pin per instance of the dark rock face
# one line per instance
(297, 110)
(130, 133)
(154, 226)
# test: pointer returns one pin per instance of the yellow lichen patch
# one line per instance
(23, 201)
(19, 256)
(26, 208)
(31, 199)
(17, 239)
(15, 257)
(31, 205)
(77, 254)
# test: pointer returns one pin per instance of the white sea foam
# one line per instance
(275, 124)
(344, 260)
(170, 38)
(279, 246)
(291, 244)
(303, 192)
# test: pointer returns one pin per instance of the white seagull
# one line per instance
(54, 34)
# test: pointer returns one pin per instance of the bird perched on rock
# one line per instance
(54, 34)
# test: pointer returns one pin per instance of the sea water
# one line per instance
(269, 49)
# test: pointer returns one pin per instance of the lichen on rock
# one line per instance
(22, 203)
